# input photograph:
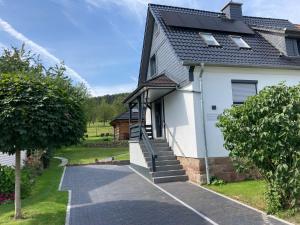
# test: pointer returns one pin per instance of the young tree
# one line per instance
(264, 132)
(39, 109)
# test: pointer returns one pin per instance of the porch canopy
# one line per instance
(144, 95)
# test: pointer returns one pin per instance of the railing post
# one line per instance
(153, 164)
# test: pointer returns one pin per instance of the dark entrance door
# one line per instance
(158, 118)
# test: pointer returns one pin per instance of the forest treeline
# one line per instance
(105, 108)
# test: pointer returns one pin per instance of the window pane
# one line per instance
(241, 91)
(209, 39)
(240, 42)
(153, 65)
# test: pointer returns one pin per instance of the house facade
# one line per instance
(194, 65)
(9, 160)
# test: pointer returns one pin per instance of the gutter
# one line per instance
(203, 124)
(262, 66)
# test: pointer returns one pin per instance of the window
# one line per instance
(242, 89)
(209, 39)
(239, 41)
(153, 65)
(298, 46)
(155, 29)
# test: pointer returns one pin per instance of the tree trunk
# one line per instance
(18, 214)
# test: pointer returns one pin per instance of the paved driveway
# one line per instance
(115, 195)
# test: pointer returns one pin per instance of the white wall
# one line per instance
(9, 160)
(218, 91)
(180, 118)
(136, 154)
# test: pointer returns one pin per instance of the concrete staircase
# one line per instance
(168, 168)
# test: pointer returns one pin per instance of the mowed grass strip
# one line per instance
(46, 205)
(85, 155)
(95, 129)
(251, 193)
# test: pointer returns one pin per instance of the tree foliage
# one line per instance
(264, 133)
(39, 108)
(105, 108)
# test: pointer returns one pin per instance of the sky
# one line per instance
(100, 41)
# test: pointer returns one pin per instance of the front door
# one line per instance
(158, 118)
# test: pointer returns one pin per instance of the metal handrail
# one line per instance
(149, 148)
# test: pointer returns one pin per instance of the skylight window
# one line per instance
(239, 41)
(209, 39)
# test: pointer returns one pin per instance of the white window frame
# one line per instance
(250, 82)
(204, 35)
(155, 66)
(245, 44)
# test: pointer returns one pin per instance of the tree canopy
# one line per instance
(40, 108)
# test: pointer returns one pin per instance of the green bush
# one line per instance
(7, 181)
(216, 181)
(264, 133)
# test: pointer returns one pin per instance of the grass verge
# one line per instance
(46, 205)
(251, 193)
(85, 155)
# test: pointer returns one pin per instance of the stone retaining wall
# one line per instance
(220, 167)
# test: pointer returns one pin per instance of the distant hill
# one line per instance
(110, 99)
(105, 108)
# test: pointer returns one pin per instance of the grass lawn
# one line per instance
(46, 205)
(251, 193)
(83, 155)
(94, 130)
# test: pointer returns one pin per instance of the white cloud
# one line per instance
(113, 89)
(43, 52)
(139, 7)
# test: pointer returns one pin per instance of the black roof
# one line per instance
(191, 48)
(159, 81)
(125, 116)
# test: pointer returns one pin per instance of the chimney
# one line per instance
(233, 10)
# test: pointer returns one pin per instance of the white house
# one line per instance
(194, 65)
(9, 160)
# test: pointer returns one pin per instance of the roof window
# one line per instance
(209, 39)
(239, 41)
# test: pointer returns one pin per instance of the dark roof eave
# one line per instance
(144, 88)
(264, 66)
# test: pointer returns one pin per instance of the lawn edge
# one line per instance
(243, 204)
(68, 208)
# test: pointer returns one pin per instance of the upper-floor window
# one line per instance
(153, 65)
(239, 41)
(155, 29)
(242, 89)
(209, 39)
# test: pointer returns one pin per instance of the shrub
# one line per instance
(216, 181)
(102, 135)
(46, 157)
(264, 133)
(7, 181)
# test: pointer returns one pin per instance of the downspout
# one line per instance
(203, 123)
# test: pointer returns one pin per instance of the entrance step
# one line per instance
(168, 168)
(168, 173)
(164, 162)
(166, 179)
